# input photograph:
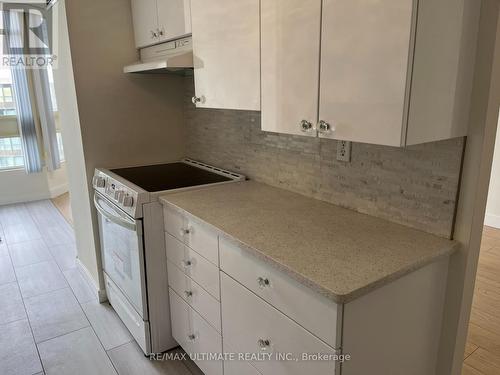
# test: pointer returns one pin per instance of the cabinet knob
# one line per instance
(185, 231)
(154, 34)
(187, 263)
(161, 32)
(188, 293)
(325, 127)
(264, 344)
(192, 337)
(197, 99)
(306, 126)
(263, 282)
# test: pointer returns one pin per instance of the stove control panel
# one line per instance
(116, 192)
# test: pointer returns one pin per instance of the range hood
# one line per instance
(165, 57)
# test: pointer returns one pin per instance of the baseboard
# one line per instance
(23, 198)
(492, 220)
(58, 190)
(99, 293)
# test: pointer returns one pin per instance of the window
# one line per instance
(11, 153)
(7, 104)
(60, 146)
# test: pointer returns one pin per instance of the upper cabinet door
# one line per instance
(226, 53)
(145, 17)
(174, 19)
(365, 54)
(290, 43)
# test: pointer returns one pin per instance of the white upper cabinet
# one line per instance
(174, 19)
(391, 73)
(226, 53)
(156, 21)
(364, 63)
(290, 43)
(145, 17)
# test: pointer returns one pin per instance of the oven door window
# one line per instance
(122, 252)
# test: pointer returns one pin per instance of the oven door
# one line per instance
(122, 249)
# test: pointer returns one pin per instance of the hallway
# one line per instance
(482, 355)
(50, 320)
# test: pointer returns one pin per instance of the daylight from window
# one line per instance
(11, 152)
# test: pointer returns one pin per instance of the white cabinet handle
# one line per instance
(306, 126)
(188, 293)
(187, 263)
(185, 231)
(263, 282)
(325, 127)
(154, 34)
(264, 344)
(198, 99)
(192, 337)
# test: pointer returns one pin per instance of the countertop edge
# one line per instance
(297, 276)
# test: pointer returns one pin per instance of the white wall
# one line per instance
(18, 186)
(73, 148)
(493, 207)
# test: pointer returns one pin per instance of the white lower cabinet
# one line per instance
(237, 366)
(315, 313)
(244, 306)
(193, 265)
(193, 294)
(251, 325)
(195, 335)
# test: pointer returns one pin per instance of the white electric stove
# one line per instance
(133, 243)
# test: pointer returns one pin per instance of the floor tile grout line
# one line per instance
(31, 327)
(90, 323)
(61, 335)
(472, 352)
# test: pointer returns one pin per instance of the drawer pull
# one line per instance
(263, 282)
(185, 231)
(188, 293)
(192, 337)
(187, 263)
(264, 344)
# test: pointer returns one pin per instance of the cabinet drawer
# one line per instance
(195, 235)
(248, 322)
(132, 320)
(194, 295)
(193, 265)
(194, 334)
(312, 311)
(237, 367)
(175, 223)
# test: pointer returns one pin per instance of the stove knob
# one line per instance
(99, 182)
(119, 196)
(128, 201)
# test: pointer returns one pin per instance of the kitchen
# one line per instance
(279, 177)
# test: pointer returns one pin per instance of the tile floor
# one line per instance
(50, 320)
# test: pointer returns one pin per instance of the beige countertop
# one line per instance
(337, 252)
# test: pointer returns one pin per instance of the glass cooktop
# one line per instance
(170, 176)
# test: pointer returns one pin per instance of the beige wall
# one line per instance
(123, 119)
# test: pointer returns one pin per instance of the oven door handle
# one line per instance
(118, 220)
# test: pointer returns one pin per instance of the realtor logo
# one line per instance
(28, 34)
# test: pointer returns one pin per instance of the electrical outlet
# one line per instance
(344, 151)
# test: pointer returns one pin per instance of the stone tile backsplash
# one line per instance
(416, 186)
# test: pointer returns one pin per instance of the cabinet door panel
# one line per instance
(174, 18)
(364, 65)
(145, 17)
(226, 53)
(290, 43)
